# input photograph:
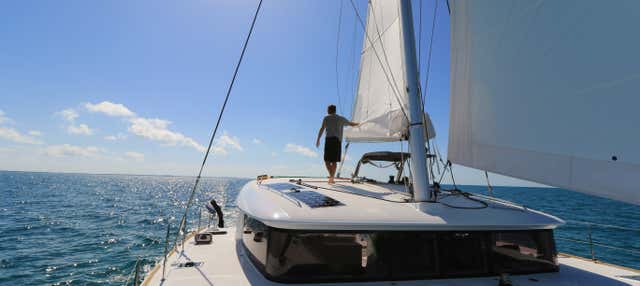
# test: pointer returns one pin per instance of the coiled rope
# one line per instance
(215, 130)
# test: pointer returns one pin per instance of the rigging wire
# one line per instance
(428, 69)
(215, 130)
(489, 187)
(397, 96)
(420, 36)
(355, 73)
(337, 57)
(386, 58)
(423, 93)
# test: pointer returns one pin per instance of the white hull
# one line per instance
(224, 263)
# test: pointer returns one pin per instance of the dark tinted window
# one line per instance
(409, 254)
(297, 256)
(255, 237)
(463, 253)
(523, 251)
(316, 256)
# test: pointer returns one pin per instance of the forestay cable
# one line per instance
(215, 130)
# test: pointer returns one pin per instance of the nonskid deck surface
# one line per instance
(224, 263)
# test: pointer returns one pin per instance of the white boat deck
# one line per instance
(369, 206)
(224, 263)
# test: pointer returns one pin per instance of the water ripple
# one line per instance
(73, 229)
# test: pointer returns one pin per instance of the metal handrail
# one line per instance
(135, 273)
(166, 249)
(136, 278)
(592, 243)
(603, 225)
(632, 251)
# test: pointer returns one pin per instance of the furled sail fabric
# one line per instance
(548, 91)
(381, 99)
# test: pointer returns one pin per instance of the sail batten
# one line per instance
(548, 91)
(381, 102)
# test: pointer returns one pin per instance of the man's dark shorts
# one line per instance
(332, 149)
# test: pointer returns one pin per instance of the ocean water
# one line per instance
(78, 229)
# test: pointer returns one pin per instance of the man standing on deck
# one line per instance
(333, 125)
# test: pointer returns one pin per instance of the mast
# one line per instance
(418, 158)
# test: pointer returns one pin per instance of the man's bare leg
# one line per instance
(332, 172)
(328, 165)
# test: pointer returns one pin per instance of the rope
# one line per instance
(466, 195)
(215, 130)
(337, 57)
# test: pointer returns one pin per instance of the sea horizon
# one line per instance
(91, 228)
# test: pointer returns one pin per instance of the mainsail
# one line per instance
(381, 99)
(548, 91)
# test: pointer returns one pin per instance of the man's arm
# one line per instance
(320, 135)
(350, 123)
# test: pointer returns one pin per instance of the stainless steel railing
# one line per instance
(588, 240)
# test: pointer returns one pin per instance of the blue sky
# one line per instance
(135, 86)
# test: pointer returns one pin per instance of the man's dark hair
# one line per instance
(331, 109)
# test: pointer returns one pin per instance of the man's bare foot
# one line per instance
(331, 181)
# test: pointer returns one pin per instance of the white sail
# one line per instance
(381, 99)
(548, 91)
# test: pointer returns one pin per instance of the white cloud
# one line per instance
(35, 133)
(82, 129)
(68, 114)
(228, 141)
(293, 148)
(256, 141)
(15, 136)
(157, 130)
(118, 136)
(110, 108)
(134, 155)
(4, 118)
(72, 151)
(225, 142)
(274, 154)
